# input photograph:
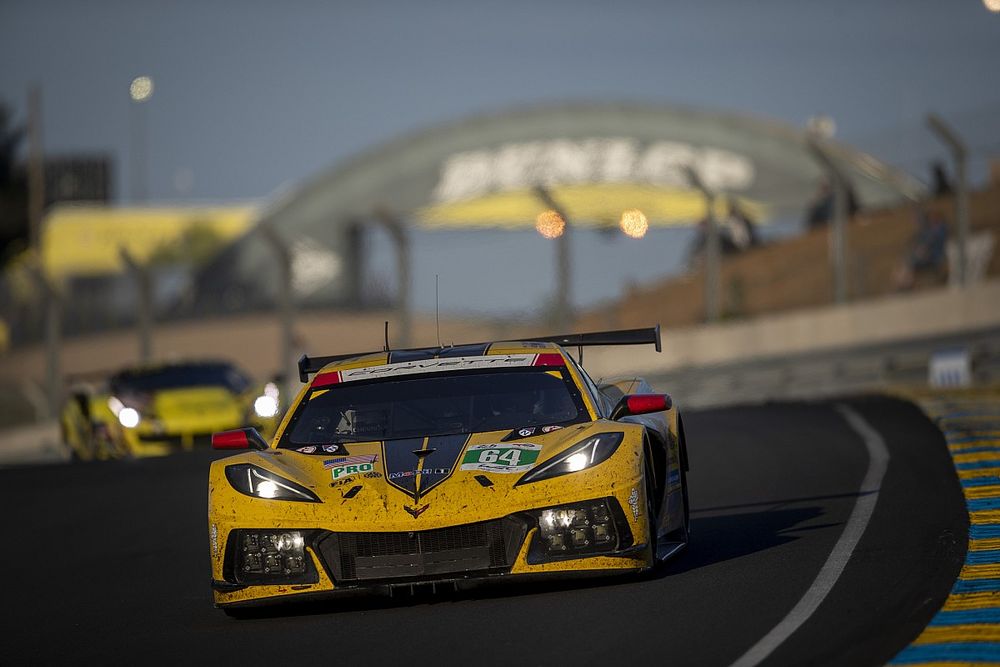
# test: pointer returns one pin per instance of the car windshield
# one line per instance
(437, 404)
(146, 381)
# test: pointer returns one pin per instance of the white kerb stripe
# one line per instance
(878, 461)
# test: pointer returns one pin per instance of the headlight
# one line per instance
(270, 557)
(586, 454)
(579, 529)
(259, 483)
(129, 417)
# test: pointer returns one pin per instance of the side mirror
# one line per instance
(641, 404)
(241, 438)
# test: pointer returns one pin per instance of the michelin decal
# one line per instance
(505, 457)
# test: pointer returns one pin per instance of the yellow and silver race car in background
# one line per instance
(448, 465)
(156, 410)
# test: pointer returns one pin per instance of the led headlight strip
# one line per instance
(256, 482)
(586, 454)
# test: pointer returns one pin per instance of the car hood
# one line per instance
(389, 484)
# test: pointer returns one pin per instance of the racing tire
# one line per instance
(652, 516)
(687, 505)
(239, 613)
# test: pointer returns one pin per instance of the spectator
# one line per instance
(941, 186)
(928, 254)
(821, 209)
(737, 233)
(740, 227)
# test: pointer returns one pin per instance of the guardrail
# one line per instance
(830, 372)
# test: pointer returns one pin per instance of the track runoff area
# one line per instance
(823, 533)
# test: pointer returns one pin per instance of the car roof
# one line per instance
(449, 352)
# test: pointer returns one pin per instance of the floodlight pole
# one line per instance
(36, 169)
(143, 277)
(713, 250)
(960, 155)
(139, 158)
(53, 332)
(286, 305)
(838, 227)
(397, 230)
(564, 272)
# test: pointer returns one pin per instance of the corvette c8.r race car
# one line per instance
(158, 409)
(453, 465)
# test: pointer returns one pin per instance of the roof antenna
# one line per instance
(437, 310)
(579, 350)
(386, 347)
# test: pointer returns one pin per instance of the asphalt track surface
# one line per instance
(107, 563)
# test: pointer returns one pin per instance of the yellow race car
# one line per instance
(498, 461)
(156, 410)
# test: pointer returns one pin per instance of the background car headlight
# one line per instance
(585, 454)
(256, 482)
(265, 407)
(128, 417)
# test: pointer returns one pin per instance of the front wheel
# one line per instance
(652, 516)
(687, 505)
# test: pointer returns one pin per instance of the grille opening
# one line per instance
(477, 547)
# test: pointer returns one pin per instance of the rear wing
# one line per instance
(648, 336)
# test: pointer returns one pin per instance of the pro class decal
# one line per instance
(505, 457)
(417, 465)
(347, 466)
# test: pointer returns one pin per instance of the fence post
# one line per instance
(286, 307)
(564, 270)
(838, 227)
(713, 247)
(53, 333)
(960, 155)
(144, 282)
(397, 230)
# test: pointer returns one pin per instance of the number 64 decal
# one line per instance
(507, 457)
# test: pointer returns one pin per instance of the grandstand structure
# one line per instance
(595, 160)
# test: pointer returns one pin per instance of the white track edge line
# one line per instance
(864, 506)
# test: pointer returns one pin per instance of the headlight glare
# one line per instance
(265, 406)
(128, 417)
(576, 462)
(267, 489)
(257, 482)
(579, 529)
(586, 454)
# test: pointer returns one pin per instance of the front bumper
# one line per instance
(506, 549)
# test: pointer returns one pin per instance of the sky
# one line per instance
(254, 96)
